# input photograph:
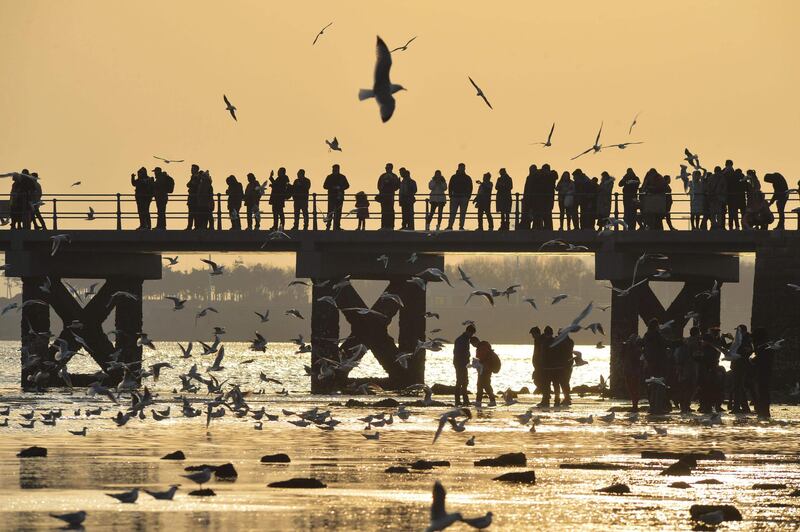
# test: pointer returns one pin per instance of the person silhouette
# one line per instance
(503, 186)
(438, 186)
(388, 184)
(407, 197)
(565, 190)
(780, 195)
(252, 198)
(483, 202)
(299, 192)
(143, 185)
(279, 188)
(459, 190)
(205, 202)
(235, 196)
(163, 186)
(630, 198)
(336, 183)
(191, 198)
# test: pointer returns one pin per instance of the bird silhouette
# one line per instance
(404, 47)
(229, 107)
(480, 92)
(596, 147)
(382, 89)
(319, 34)
(548, 142)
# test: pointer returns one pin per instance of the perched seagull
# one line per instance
(464, 277)
(630, 129)
(58, 241)
(215, 268)
(81, 432)
(382, 88)
(404, 47)
(596, 147)
(172, 260)
(200, 477)
(168, 160)
(74, 520)
(320, 33)
(440, 519)
(471, 441)
(127, 497)
(375, 436)
(333, 144)
(229, 107)
(90, 214)
(548, 142)
(163, 495)
(480, 92)
(178, 303)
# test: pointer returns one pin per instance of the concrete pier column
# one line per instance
(624, 323)
(35, 328)
(324, 333)
(128, 319)
(412, 329)
(777, 307)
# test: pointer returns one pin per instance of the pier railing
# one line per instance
(652, 211)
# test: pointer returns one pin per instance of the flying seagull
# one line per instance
(215, 268)
(382, 88)
(57, 241)
(633, 123)
(229, 107)
(168, 160)
(333, 144)
(320, 33)
(480, 92)
(622, 145)
(548, 142)
(404, 47)
(595, 148)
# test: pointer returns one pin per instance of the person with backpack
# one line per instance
(489, 363)
(162, 188)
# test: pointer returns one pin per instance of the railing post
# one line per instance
(616, 209)
(427, 210)
(219, 211)
(119, 211)
(55, 214)
(516, 210)
(314, 209)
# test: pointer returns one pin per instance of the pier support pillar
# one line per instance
(624, 323)
(412, 330)
(776, 307)
(128, 320)
(35, 331)
(324, 334)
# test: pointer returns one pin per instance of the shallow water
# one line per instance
(360, 496)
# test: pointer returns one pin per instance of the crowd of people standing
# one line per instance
(724, 198)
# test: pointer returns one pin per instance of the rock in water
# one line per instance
(709, 481)
(226, 472)
(680, 485)
(519, 477)
(600, 466)
(769, 486)
(729, 512)
(205, 492)
(279, 458)
(504, 460)
(667, 455)
(681, 468)
(33, 452)
(303, 483)
(177, 455)
(396, 469)
(617, 489)
(424, 465)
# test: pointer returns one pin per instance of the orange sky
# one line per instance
(93, 89)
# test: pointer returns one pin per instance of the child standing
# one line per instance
(362, 210)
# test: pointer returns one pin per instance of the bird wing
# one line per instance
(227, 102)
(633, 123)
(475, 85)
(487, 101)
(597, 140)
(550, 135)
(585, 312)
(383, 63)
(582, 153)
(386, 104)
(210, 263)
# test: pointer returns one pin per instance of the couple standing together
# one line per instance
(486, 362)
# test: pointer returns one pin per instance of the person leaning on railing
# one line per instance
(162, 188)
(630, 202)
(299, 192)
(252, 197)
(780, 195)
(483, 202)
(191, 198)
(438, 186)
(407, 197)
(279, 188)
(143, 185)
(235, 194)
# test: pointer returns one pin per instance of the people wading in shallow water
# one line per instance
(488, 363)
(461, 358)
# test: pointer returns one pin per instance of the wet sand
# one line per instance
(360, 496)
